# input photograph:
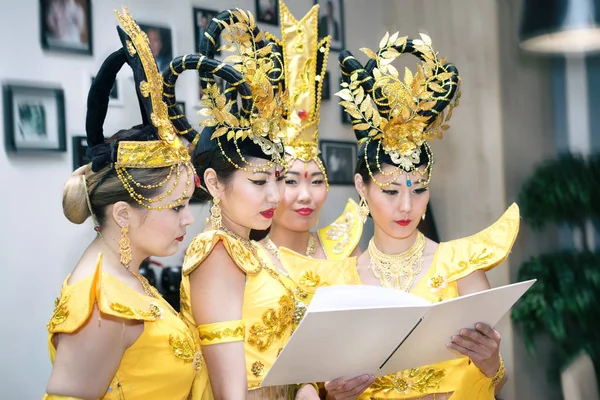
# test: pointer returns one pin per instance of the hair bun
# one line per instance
(75, 195)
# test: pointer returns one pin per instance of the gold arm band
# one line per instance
(221, 332)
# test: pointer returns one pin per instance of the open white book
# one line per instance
(353, 330)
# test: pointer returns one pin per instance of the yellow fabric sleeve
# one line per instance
(221, 332)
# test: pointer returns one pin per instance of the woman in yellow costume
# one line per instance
(393, 118)
(243, 306)
(306, 186)
(306, 178)
(112, 335)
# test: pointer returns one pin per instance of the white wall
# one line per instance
(39, 246)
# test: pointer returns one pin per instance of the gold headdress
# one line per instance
(393, 118)
(305, 62)
(254, 127)
(156, 144)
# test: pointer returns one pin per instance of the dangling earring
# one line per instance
(125, 246)
(423, 216)
(215, 214)
(363, 209)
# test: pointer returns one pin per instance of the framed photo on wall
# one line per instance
(66, 25)
(34, 118)
(331, 22)
(115, 97)
(80, 147)
(161, 44)
(202, 18)
(267, 11)
(339, 158)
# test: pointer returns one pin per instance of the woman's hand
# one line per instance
(340, 389)
(307, 392)
(481, 345)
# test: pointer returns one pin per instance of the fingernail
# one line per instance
(479, 326)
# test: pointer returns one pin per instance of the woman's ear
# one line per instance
(359, 185)
(212, 183)
(121, 213)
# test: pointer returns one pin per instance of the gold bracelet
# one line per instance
(496, 379)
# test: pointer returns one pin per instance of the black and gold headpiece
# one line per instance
(252, 127)
(305, 62)
(155, 144)
(394, 118)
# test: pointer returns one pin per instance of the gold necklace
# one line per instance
(274, 249)
(397, 271)
(299, 306)
(148, 289)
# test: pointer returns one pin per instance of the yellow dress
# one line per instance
(273, 302)
(341, 237)
(164, 361)
(452, 261)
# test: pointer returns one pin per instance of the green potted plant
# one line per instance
(564, 304)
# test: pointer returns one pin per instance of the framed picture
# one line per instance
(115, 97)
(326, 88)
(331, 22)
(66, 25)
(80, 146)
(161, 44)
(267, 11)
(202, 17)
(34, 118)
(339, 158)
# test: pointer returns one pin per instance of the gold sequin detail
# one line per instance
(154, 312)
(475, 260)
(183, 347)
(184, 302)
(274, 324)
(201, 247)
(237, 333)
(310, 279)
(415, 379)
(340, 232)
(258, 368)
(60, 314)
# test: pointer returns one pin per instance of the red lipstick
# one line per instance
(180, 238)
(268, 214)
(305, 211)
(403, 222)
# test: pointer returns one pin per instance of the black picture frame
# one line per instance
(339, 158)
(326, 88)
(161, 43)
(338, 36)
(80, 146)
(34, 118)
(56, 35)
(267, 11)
(200, 15)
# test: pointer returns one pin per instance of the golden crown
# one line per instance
(260, 72)
(401, 114)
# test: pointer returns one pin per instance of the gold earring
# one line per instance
(125, 246)
(215, 214)
(423, 216)
(363, 209)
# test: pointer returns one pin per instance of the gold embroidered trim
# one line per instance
(415, 379)
(475, 260)
(340, 232)
(310, 279)
(274, 324)
(61, 312)
(258, 368)
(154, 312)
